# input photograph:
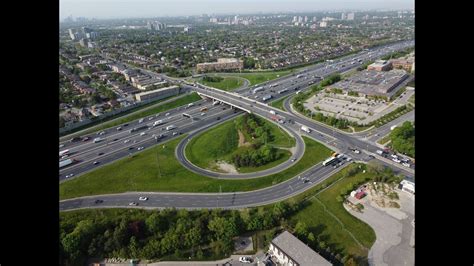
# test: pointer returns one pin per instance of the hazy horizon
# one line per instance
(105, 9)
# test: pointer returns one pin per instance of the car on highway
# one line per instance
(102, 133)
(115, 139)
(100, 153)
(406, 165)
(119, 128)
(167, 114)
(356, 151)
(133, 204)
(218, 118)
(143, 134)
(140, 121)
(95, 162)
(126, 141)
(61, 145)
(203, 114)
(140, 148)
(86, 139)
(245, 259)
(294, 159)
(175, 133)
(396, 160)
(394, 156)
(97, 201)
(150, 118)
(131, 148)
(70, 175)
(142, 198)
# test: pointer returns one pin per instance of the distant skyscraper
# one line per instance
(295, 19)
(71, 34)
(305, 19)
(343, 16)
(314, 19)
(300, 19)
(350, 16)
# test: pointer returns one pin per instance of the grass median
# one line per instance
(227, 84)
(156, 169)
(279, 103)
(259, 77)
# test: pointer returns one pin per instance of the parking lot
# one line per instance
(352, 108)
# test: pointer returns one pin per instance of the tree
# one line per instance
(133, 247)
(301, 229)
(311, 238)
(223, 228)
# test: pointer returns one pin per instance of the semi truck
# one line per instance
(266, 97)
(257, 90)
(65, 163)
(135, 129)
(157, 123)
(306, 129)
(62, 153)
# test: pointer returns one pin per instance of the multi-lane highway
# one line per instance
(285, 86)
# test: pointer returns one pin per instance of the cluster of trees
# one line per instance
(353, 93)
(260, 152)
(336, 90)
(255, 157)
(333, 78)
(169, 233)
(249, 62)
(403, 139)
(364, 66)
(212, 79)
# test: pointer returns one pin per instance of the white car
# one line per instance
(126, 141)
(175, 133)
(140, 148)
(396, 160)
(143, 134)
(150, 118)
(70, 175)
(245, 259)
(133, 204)
(142, 198)
(406, 164)
(61, 145)
(141, 120)
(394, 156)
(167, 114)
(356, 151)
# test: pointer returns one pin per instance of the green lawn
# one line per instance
(279, 103)
(259, 77)
(227, 84)
(210, 146)
(193, 97)
(320, 221)
(384, 139)
(360, 128)
(156, 169)
(213, 144)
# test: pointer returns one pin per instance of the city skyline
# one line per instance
(107, 9)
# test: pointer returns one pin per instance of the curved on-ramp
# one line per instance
(180, 153)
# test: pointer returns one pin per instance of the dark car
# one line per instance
(218, 118)
(131, 148)
(115, 139)
(125, 125)
(98, 201)
(75, 139)
(96, 162)
(100, 153)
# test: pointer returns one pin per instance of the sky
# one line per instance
(103, 9)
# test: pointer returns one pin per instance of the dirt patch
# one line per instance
(242, 142)
(226, 167)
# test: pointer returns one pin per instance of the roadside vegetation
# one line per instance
(249, 142)
(316, 216)
(260, 77)
(279, 103)
(157, 169)
(227, 83)
(403, 139)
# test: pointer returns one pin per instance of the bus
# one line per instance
(62, 153)
(282, 91)
(329, 161)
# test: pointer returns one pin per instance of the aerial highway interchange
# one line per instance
(118, 142)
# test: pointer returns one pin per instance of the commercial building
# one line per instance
(157, 94)
(286, 249)
(380, 65)
(221, 64)
(323, 24)
(407, 65)
(350, 16)
(372, 82)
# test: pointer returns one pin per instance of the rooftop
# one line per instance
(297, 250)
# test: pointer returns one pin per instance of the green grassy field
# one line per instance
(193, 97)
(319, 221)
(207, 148)
(213, 144)
(227, 84)
(156, 169)
(279, 103)
(259, 77)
